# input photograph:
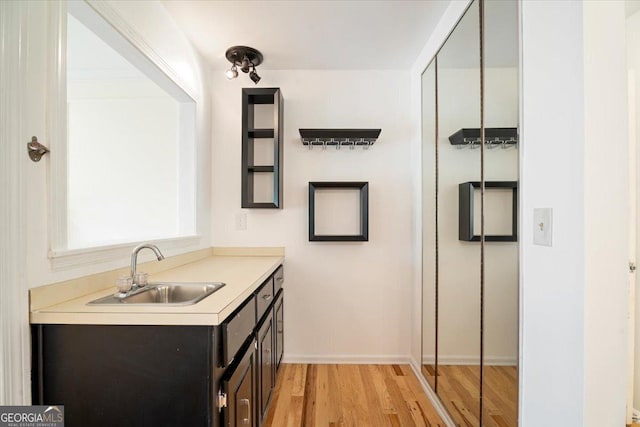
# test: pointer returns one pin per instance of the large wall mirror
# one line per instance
(131, 140)
(469, 213)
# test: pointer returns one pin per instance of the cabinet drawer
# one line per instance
(264, 298)
(278, 280)
(237, 328)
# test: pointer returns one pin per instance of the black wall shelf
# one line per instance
(466, 209)
(363, 235)
(252, 136)
(339, 137)
(492, 136)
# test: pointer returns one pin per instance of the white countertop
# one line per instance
(241, 274)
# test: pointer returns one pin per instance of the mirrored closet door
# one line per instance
(469, 213)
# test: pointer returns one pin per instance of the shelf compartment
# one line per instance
(492, 136)
(260, 168)
(257, 128)
(261, 133)
(339, 137)
(466, 231)
(363, 227)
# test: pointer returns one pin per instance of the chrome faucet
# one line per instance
(134, 258)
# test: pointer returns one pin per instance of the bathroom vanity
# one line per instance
(213, 363)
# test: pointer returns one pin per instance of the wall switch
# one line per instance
(241, 221)
(542, 226)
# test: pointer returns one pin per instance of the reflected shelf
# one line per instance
(339, 138)
(494, 137)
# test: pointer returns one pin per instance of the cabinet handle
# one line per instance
(266, 297)
(247, 419)
(279, 279)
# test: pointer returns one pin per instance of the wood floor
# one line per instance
(459, 388)
(349, 395)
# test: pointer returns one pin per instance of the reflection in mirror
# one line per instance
(458, 290)
(500, 373)
(130, 141)
(429, 238)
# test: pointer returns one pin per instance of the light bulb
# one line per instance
(232, 73)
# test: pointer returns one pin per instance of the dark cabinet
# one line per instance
(125, 375)
(265, 363)
(238, 387)
(160, 375)
(278, 321)
(266, 357)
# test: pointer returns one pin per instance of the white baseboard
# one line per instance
(471, 360)
(435, 401)
(350, 359)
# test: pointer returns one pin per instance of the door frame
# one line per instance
(15, 361)
(633, 218)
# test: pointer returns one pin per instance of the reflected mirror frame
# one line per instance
(434, 64)
(437, 199)
(482, 194)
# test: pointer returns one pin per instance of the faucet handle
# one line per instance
(141, 279)
(124, 284)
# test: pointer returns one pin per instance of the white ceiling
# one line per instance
(308, 34)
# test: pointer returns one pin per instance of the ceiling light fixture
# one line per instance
(247, 58)
(254, 76)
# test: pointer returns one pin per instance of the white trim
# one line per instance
(636, 414)
(349, 359)
(67, 259)
(472, 360)
(56, 123)
(435, 401)
(522, 208)
(15, 387)
(450, 18)
(109, 14)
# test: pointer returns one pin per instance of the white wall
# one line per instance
(573, 295)
(345, 301)
(552, 173)
(606, 184)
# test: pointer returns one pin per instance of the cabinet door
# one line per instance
(125, 375)
(239, 384)
(265, 363)
(279, 329)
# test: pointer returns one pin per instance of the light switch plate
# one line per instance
(542, 226)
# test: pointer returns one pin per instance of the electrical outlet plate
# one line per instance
(542, 226)
(241, 221)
